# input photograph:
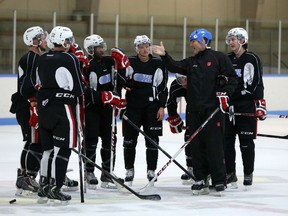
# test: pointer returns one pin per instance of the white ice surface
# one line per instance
(268, 195)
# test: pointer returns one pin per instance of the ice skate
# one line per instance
(20, 177)
(129, 176)
(200, 187)
(91, 180)
(29, 183)
(55, 196)
(25, 193)
(29, 187)
(247, 182)
(151, 175)
(231, 180)
(69, 184)
(219, 189)
(107, 182)
(43, 190)
(186, 179)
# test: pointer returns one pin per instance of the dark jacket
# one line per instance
(202, 71)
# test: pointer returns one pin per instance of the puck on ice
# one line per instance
(12, 201)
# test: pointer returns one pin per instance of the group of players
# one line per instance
(239, 89)
(62, 93)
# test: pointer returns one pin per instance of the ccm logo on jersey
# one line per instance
(246, 133)
(58, 138)
(155, 128)
(64, 95)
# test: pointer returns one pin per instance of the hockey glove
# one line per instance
(110, 98)
(33, 121)
(72, 49)
(176, 124)
(82, 58)
(120, 58)
(261, 111)
(223, 101)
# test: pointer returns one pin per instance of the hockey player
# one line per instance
(248, 98)
(70, 184)
(60, 78)
(203, 97)
(176, 92)
(146, 95)
(99, 99)
(26, 110)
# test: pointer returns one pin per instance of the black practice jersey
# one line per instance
(176, 92)
(249, 70)
(149, 82)
(60, 78)
(202, 71)
(100, 76)
(27, 74)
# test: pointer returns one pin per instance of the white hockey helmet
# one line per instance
(142, 39)
(60, 34)
(50, 45)
(239, 33)
(94, 41)
(32, 33)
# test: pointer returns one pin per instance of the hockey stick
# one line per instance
(273, 136)
(115, 179)
(114, 83)
(83, 143)
(79, 149)
(84, 151)
(156, 145)
(181, 148)
(254, 115)
(81, 175)
(113, 133)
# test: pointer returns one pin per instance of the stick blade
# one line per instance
(155, 197)
(273, 136)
